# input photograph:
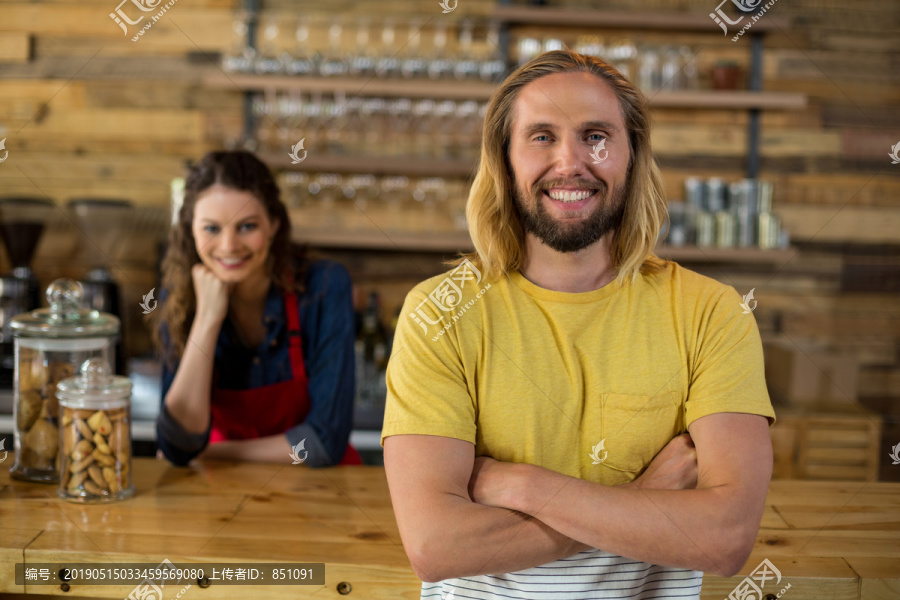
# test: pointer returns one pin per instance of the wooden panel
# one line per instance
(835, 224)
(811, 578)
(784, 444)
(726, 140)
(833, 442)
(631, 19)
(842, 456)
(835, 472)
(116, 124)
(197, 26)
(13, 539)
(15, 47)
(880, 577)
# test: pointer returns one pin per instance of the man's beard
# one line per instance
(571, 237)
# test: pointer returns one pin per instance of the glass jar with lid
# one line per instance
(50, 344)
(95, 435)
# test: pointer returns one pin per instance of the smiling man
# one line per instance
(568, 416)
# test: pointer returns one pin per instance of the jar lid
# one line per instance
(66, 318)
(95, 387)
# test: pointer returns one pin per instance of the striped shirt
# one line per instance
(588, 575)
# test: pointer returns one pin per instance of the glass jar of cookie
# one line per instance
(95, 435)
(50, 344)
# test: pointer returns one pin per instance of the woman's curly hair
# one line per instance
(237, 170)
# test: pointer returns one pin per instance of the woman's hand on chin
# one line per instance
(212, 294)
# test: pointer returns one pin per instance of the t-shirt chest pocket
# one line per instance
(636, 428)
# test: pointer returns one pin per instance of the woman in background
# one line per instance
(257, 340)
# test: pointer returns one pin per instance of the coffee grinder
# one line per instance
(102, 224)
(22, 221)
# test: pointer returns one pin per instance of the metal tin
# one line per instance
(725, 229)
(706, 228)
(769, 230)
(715, 195)
(764, 199)
(694, 192)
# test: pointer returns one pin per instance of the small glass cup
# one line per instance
(95, 435)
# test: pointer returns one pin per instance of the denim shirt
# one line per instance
(327, 335)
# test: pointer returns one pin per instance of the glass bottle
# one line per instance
(50, 343)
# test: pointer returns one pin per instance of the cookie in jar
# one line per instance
(95, 435)
(49, 344)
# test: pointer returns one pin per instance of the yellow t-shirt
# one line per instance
(592, 385)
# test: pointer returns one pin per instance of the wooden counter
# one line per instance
(831, 541)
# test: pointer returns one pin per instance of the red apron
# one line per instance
(270, 409)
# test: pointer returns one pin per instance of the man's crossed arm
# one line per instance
(697, 506)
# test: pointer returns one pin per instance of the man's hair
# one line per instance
(493, 219)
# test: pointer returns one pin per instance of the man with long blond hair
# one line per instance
(568, 415)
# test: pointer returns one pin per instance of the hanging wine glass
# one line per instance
(444, 130)
(493, 65)
(528, 48)
(333, 63)
(388, 64)
(440, 65)
(303, 62)
(268, 61)
(689, 68)
(363, 62)
(466, 67)
(422, 141)
(241, 56)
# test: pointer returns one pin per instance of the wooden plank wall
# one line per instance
(86, 111)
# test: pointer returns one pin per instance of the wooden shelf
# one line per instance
(696, 254)
(460, 241)
(357, 86)
(737, 99)
(377, 165)
(382, 240)
(529, 15)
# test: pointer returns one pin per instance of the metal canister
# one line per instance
(694, 192)
(764, 197)
(715, 195)
(769, 230)
(746, 213)
(725, 229)
(677, 235)
(706, 228)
